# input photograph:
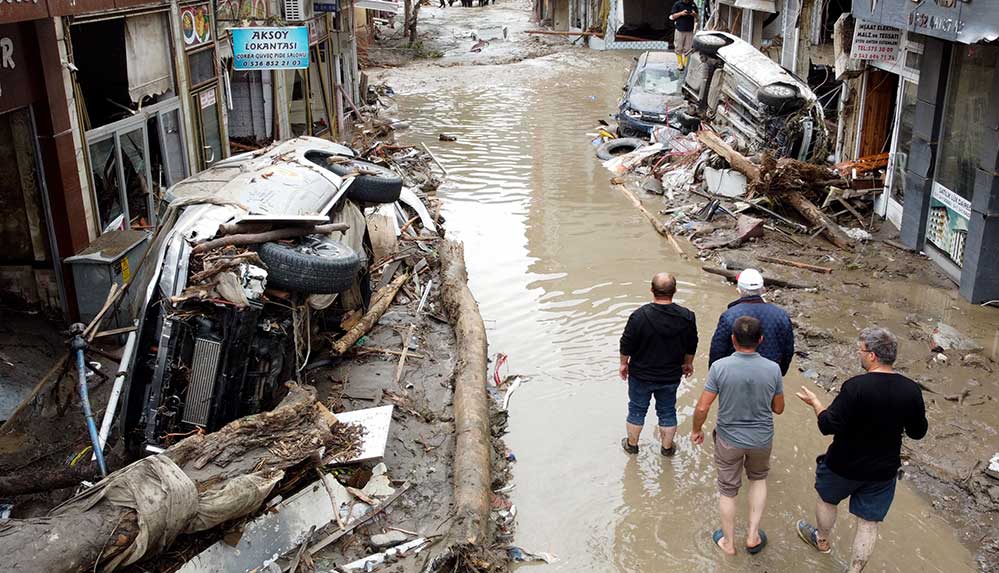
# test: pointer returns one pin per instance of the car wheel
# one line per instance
(373, 183)
(316, 265)
(710, 43)
(781, 98)
(619, 146)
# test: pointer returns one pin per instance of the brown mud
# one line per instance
(558, 259)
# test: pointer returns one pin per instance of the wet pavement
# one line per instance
(557, 260)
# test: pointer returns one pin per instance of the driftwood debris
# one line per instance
(797, 264)
(213, 478)
(783, 180)
(381, 300)
(473, 441)
(267, 236)
(656, 223)
(733, 276)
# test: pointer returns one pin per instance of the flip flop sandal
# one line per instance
(717, 536)
(628, 447)
(809, 534)
(758, 547)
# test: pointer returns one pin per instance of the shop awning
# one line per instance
(380, 5)
(758, 5)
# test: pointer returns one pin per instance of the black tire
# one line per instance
(317, 265)
(781, 98)
(710, 43)
(619, 146)
(372, 184)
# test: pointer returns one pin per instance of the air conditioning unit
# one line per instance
(298, 10)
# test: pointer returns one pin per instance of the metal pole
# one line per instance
(78, 344)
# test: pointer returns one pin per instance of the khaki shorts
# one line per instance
(729, 460)
(683, 42)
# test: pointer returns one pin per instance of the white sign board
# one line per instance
(875, 42)
(376, 422)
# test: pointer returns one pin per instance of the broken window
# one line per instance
(319, 80)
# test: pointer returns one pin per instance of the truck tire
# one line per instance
(710, 43)
(317, 265)
(619, 146)
(372, 183)
(781, 98)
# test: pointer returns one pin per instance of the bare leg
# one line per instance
(863, 544)
(825, 517)
(757, 493)
(633, 433)
(666, 434)
(726, 506)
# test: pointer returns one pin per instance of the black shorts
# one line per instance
(869, 500)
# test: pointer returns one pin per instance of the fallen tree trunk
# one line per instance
(267, 236)
(733, 276)
(193, 486)
(815, 216)
(381, 301)
(793, 197)
(473, 441)
(32, 481)
(790, 263)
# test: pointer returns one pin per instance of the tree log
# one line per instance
(790, 263)
(733, 276)
(815, 216)
(92, 533)
(381, 301)
(268, 236)
(738, 161)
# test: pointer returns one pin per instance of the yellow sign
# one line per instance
(126, 273)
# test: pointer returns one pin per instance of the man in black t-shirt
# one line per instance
(657, 350)
(684, 17)
(867, 420)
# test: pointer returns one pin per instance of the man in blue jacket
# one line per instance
(778, 334)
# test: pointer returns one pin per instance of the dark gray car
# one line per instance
(653, 92)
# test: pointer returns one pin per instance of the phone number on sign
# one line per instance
(271, 63)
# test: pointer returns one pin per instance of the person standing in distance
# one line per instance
(684, 17)
(657, 350)
(866, 419)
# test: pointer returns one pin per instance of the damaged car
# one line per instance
(747, 96)
(653, 97)
(253, 257)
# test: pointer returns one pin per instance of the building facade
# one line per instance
(106, 103)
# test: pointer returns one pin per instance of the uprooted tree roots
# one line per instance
(194, 486)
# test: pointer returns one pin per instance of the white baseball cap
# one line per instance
(750, 279)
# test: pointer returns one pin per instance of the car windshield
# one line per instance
(663, 82)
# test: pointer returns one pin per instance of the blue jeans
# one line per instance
(869, 500)
(640, 396)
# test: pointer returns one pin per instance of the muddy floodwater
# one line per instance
(558, 258)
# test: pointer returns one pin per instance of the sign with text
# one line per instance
(328, 6)
(875, 42)
(270, 48)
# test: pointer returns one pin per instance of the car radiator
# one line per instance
(201, 387)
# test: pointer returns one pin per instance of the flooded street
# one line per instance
(557, 260)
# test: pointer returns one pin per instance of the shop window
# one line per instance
(250, 117)
(965, 116)
(202, 66)
(122, 65)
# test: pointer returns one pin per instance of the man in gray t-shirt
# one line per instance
(750, 390)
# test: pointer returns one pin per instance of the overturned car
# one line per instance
(252, 256)
(749, 97)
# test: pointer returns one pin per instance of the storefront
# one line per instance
(951, 172)
(146, 86)
(29, 276)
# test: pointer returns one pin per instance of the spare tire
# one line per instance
(316, 265)
(780, 97)
(373, 183)
(710, 43)
(619, 146)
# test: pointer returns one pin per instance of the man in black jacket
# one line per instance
(657, 350)
(866, 419)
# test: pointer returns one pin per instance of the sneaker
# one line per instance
(628, 447)
(810, 535)
(668, 452)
